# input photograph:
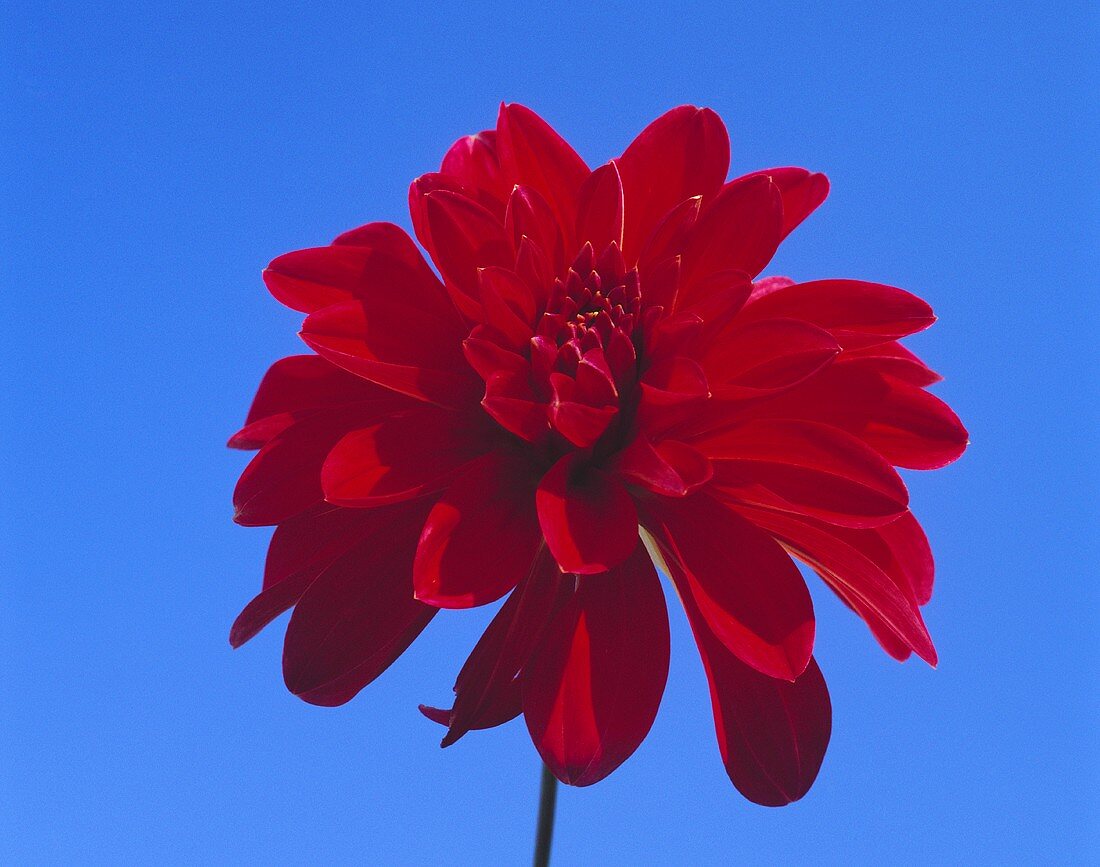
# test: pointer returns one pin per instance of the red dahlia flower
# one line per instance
(593, 358)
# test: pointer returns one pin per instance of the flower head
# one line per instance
(596, 354)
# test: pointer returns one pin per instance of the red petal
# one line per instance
(464, 237)
(401, 457)
(373, 259)
(284, 478)
(772, 734)
(532, 153)
(359, 615)
(802, 192)
(806, 468)
(472, 161)
(600, 209)
(893, 359)
(766, 356)
(856, 313)
(747, 588)
(593, 688)
(669, 468)
(298, 386)
(509, 307)
(301, 549)
(738, 231)
(587, 517)
(682, 154)
(385, 342)
(529, 216)
(852, 572)
(480, 538)
(510, 400)
(487, 691)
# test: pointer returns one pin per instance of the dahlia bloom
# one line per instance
(593, 354)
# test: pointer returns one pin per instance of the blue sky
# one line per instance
(156, 157)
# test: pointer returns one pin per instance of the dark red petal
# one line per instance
(600, 209)
(856, 313)
(684, 153)
(284, 478)
(806, 468)
(529, 216)
(480, 538)
(386, 343)
(487, 691)
(669, 468)
(766, 356)
(587, 517)
(912, 555)
(301, 548)
(300, 385)
(852, 572)
(401, 457)
(802, 192)
(510, 400)
(531, 153)
(359, 615)
(738, 231)
(487, 357)
(592, 690)
(772, 734)
(674, 379)
(747, 588)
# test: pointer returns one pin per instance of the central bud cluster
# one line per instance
(583, 355)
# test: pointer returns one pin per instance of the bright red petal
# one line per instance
(593, 688)
(747, 588)
(802, 192)
(587, 517)
(480, 538)
(683, 153)
(600, 209)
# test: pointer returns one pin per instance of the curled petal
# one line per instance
(480, 537)
(802, 192)
(587, 517)
(593, 688)
(669, 468)
(487, 691)
(511, 400)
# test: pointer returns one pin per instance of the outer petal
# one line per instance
(807, 468)
(747, 589)
(464, 237)
(855, 576)
(802, 192)
(384, 341)
(684, 153)
(532, 153)
(481, 537)
(359, 615)
(600, 209)
(400, 457)
(298, 386)
(739, 231)
(668, 468)
(592, 691)
(472, 160)
(772, 734)
(587, 517)
(378, 258)
(856, 313)
(487, 692)
(301, 549)
(893, 359)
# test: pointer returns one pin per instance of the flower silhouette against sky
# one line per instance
(594, 353)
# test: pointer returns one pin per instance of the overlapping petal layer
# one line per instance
(591, 355)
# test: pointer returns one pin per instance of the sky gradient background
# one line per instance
(156, 157)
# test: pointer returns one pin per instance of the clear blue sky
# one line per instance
(156, 157)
